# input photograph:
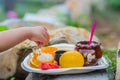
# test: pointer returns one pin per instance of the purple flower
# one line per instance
(11, 14)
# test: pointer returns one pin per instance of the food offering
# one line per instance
(44, 58)
(91, 52)
(52, 57)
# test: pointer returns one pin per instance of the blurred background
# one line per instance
(76, 13)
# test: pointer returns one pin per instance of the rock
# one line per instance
(71, 34)
(49, 15)
(8, 64)
(14, 23)
(96, 75)
(20, 73)
(81, 10)
(11, 60)
(58, 40)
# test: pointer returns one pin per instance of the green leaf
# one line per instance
(13, 78)
(111, 54)
(3, 28)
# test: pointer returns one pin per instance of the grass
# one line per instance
(3, 28)
(114, 4)
(2, 14)
(110, 54)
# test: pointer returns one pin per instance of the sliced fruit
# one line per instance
(71, 59)
(49, 49)
(37, 59)
(34, 62)
(46, 66)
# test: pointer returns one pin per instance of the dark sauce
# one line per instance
(58, 54)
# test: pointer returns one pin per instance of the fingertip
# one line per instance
(40, 44)
(45, 28)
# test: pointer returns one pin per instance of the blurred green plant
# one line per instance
(114, 4)
(32, 6)
(75, 23)
(3, 28)
(110, 54)
(67, 20)
(13, 78)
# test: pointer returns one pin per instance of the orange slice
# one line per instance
(34, 62)
(37, 59)
(49, 49)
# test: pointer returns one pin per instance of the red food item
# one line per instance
(46, 66)
(53, 65)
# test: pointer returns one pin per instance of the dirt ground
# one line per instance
(108, 32)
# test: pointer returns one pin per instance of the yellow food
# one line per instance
(34, 62)
(49, 49)
(71, 59)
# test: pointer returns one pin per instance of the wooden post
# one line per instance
(118, 64)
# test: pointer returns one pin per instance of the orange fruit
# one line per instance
(34, 62)
(71, 59)
(37, 59)
(49, 49)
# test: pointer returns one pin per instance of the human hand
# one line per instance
(39, 35)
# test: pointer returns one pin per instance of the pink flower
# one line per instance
(11, 14)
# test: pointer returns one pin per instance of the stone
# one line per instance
(81, 10)
(96, 75)
(8, 62)
(71, 34)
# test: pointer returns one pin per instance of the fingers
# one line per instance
(40, 36)
(45, 28)
(44, 39)
(46, 35)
